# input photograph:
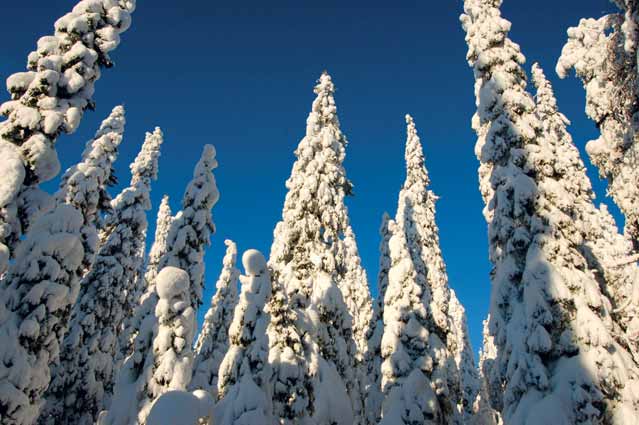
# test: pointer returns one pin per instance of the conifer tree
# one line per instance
(489, 403)
(418, 381)
(49, 99)
(310, 238)
(606, 251)
(191, 229)
(132, 321)
(244, 382)
(170, 366)
(44, 282)
(373, 394)
(82, 382)
(213, 341)
(557, 358)
(468, 383)
(186, 239)
(603, 53)
(159, 247)
(293, 360)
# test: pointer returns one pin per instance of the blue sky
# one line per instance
(240, 75)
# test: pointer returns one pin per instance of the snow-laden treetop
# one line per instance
(415, 170)
(145, 167)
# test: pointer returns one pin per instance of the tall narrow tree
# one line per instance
(374, 397)
(606, 251)
(418, 381)
(186, 240)
(309, 239)
(44, 282)
(49, 99)
(82, 382)
(213, 341)
(557, 358)
(132, 321)
(595, 49)
(244, 386)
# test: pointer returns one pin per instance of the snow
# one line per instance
(171, 282)
(12, 172)
(254, 262)
(555, 343)
(422, 332)
(213, 341)
(314, 239)
(611, 92)
(190, 230)
(244, 386)
(183, 408)
(46, 101)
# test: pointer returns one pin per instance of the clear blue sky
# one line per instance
(240, 75)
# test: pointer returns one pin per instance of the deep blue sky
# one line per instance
(240, 75)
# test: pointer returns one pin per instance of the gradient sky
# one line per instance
(240, 74)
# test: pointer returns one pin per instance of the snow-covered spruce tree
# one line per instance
(170, 365)
(630, 27)
(293, 359)
(606, 251)
(418, 381)
(557, 359)
(475, 410)
(213, 341)
(309, 239)
(82, 382)
(489, 402)
(595, 49)
(191, 229)
(43, 284)
(184, 245)
(245, 376)
(373, 393)
(50, 99)
(159, 247)
(131, 324)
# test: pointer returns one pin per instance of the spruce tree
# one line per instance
(489, 403)
(191, 229)
(132, 321)
(213, 341)
(245, 376)
(418, 380)
(43, 284)
(468, 384)
(170, 365)
(49, 99)
(305, 256)
(82, 382)
(293, 359)
(557, 357)
(373, 393)
(606, 251)
(185, 243)
(603, 53)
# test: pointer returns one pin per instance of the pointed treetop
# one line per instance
(203, 180)
(546, 100)
(145, 166)
(415, 169)
(324, 104)
(113, 123)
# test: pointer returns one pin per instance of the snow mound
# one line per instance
(172, 281)
(183, 408)
(254, 262)
(12, 172)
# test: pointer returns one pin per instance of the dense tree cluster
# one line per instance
(96, 329)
